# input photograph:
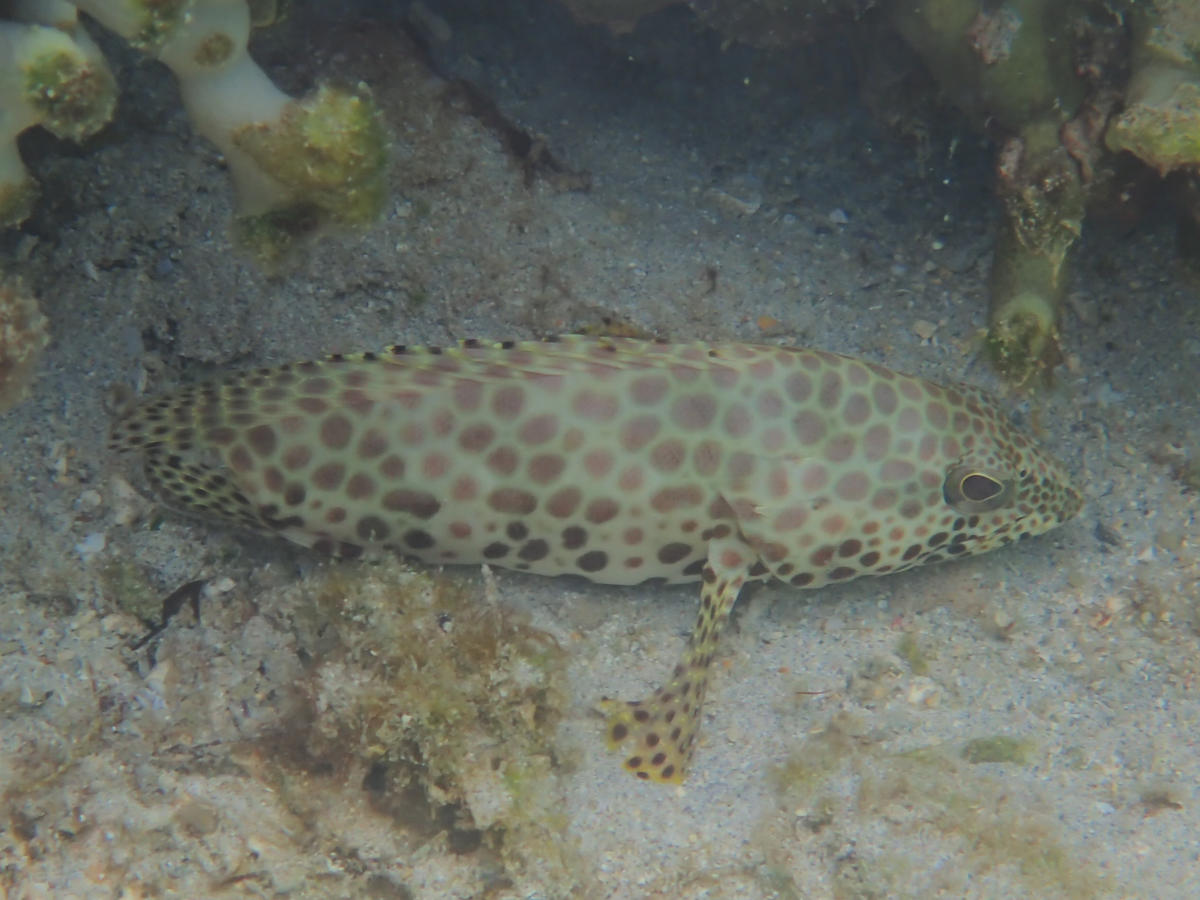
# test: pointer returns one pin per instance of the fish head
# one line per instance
(1004, 485)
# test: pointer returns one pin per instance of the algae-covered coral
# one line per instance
(53, 75)
(1065, 89)
(1062, 88)
(1160, 121)
(295, 163)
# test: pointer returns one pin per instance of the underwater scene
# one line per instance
(599, 449)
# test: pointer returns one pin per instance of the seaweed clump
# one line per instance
(984, 833)
(442, 705)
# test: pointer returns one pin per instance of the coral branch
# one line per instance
(48, 77)
(295, 163)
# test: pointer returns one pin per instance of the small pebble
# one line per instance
(89, 501)
(91, 545)
(924, 329)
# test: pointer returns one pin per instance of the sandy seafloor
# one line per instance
(832, 759)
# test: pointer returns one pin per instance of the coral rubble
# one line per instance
(22, 337)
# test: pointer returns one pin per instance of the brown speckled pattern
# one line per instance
(615, 459)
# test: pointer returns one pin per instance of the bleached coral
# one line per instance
(295, 163)
(51, 74)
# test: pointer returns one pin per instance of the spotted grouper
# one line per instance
(619, 460)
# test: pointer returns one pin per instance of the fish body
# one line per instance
(615, 459)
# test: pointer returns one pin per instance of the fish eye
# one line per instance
(969, 490)
(980, 487)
